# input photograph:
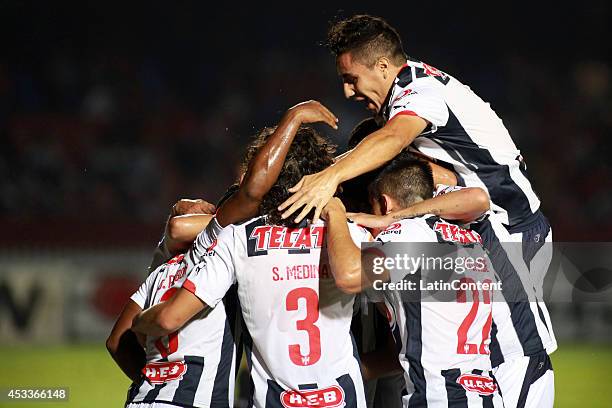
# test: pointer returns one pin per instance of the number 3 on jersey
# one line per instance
(307, 324)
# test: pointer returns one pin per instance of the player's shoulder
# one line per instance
(417, 74)
(417, 229)
(358, 232)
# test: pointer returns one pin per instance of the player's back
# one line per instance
(466, 132)
(195, 365)
(443, 333)
(300, 350)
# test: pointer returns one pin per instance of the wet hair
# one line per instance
(367, 38)
(309, 153)
(407, 180)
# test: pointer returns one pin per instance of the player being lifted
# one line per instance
(442, 118)
(446, 361)
(194, 366)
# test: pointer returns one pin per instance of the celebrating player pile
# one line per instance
(295, 280)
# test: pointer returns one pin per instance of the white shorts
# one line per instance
(149, 405)
(526, 382)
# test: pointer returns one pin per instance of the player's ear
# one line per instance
(382, 65)
(386, 204)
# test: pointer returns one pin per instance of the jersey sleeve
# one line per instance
(359, 234)
(444, 189)
(141, 296)
(422, 98)
(215, 273)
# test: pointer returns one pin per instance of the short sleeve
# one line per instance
(202, 243)
(442, 189)
(141, 296)
(359, 234)
(214, 274)
(421, 98)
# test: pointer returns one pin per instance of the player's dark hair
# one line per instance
(309, 153)
(407, 180)
(367, 38)
(362, 130)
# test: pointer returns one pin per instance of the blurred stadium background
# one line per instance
(110, 113)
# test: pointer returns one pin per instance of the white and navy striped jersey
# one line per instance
(521, 322)
(194, 366)
(443, 344)
(300, 351)
(464, 131)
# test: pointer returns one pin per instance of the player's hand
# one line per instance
(334, 205)
(371, 220)
(189, 206)
(312, 191)
(312, 112)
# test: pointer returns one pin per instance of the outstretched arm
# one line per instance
(169, 316)
(465, 205)
(267, 164)
(316, 190)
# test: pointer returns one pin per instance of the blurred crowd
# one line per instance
(109, 136)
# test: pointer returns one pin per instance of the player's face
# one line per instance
(361, 83)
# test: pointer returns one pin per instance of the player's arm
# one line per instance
(169, 316)
(182, 230)
(442, 175)
(344, 256)
(376, 149)
(123, 345)
(205, 286)
(187, 218)
(267, 164)
(464, 206)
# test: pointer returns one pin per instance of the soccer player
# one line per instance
(194, 366)
(442, 118)
(301, 352)
(442, 345)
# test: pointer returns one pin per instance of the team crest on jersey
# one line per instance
(331, 397)
(454, 233)
(277, 237)
(477, 383)
(159, 373)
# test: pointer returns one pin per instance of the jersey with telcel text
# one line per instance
(435, 337)
(464, 131)
(300, 350)
(193, 366)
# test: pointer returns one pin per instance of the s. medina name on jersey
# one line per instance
(299, 348)
(465, 132)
